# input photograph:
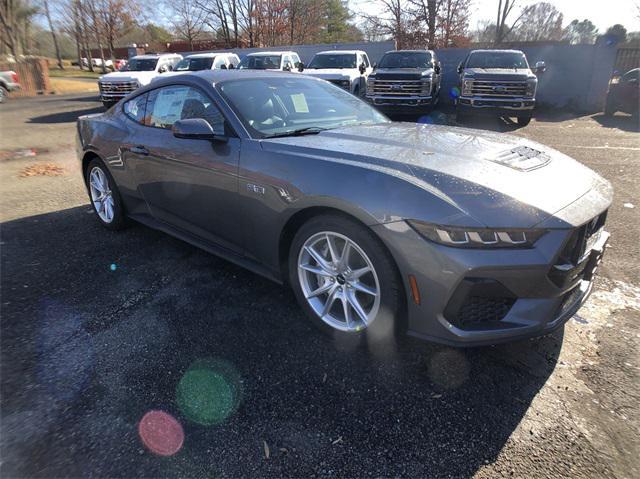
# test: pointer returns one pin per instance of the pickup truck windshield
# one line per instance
(290, 106)
(406, 60)
(141, 65)
(194, 64)
(497, 60)
(343, 60)
(261, 62)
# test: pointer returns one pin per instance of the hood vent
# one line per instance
(522, 158)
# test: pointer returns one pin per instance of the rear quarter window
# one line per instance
(135, 108)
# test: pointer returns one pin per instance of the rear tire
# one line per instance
(105, 196)
(348, 295)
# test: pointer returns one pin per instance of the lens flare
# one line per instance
(161, 433)
(454, 92)
(209, 392)
(113, 267)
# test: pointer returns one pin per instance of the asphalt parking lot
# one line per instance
(100, 329)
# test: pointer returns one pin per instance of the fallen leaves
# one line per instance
(42, 169)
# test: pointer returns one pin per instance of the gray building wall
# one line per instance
(576, 79)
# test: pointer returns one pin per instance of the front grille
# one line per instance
(479, 309)
(499, 89)
(400, 88)
(117, 87)
(571, 263)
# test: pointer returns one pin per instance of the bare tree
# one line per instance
(391, 21)
(15, 19)
(54, 36)
(187, 19)
(505, 7)
(453, 22)
(540, 21)
(426, 11)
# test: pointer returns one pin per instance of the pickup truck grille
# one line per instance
(499, 89)
(399, 88)
(118, 87)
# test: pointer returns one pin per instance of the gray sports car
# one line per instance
(450, 234)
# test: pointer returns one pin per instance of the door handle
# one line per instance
(139, 150)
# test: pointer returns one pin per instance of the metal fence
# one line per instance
(33, 74)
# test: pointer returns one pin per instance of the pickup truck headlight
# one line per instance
(344, 83)
(532, 84)
(484, 238)
(467, 85)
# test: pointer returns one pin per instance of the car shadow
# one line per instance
(65, 116)
(101, 327)
(620, 121)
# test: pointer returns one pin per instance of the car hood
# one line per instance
(333, 73)
(401, 73)
(142, 77)
(498, 180)
(498, 73)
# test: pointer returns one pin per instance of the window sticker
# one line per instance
(300, 103)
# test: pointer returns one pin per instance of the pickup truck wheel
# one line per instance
(609, 107)
(4, 94)
(104, 195)
(345, 280)
(356, 91)
(524, 120)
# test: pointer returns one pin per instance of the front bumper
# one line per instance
(395, 103)
(533, 304)
(489, 105)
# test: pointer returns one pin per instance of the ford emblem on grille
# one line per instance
(396, 87)
(523, 158)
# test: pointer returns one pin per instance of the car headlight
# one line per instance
(615, 80)
(478, 237)
(467, 85)
(345, 83)
(532, 84)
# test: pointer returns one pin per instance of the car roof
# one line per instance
(281, 52)
(329, 52)
(496, 50)
(149, 56)
(409, 51)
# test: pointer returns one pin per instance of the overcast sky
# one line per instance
(603, 13)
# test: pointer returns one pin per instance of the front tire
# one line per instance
(345, 280)
(105, 196)
(609, 107)
(524, 120)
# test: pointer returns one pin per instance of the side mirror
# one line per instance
(375, 65)
(196, 129)
(460, 68)
(162, 69)
(437, 68)
(231, 66)
(540, 67)
(300, 66)
(362, 68)
(223, 67)
(286, 68)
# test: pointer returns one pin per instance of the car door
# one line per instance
(189, 184)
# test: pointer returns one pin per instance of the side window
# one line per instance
(218, 62)
(134, 108)
(365, 58)
(170, 104)
(296, 59)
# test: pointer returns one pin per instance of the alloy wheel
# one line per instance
(339, 281)
(101, 194)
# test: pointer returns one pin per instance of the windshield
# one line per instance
(497, 60)
(276, 106)
(261, 62)
(406, 60)
(141, 65)
(194, 64)
(339, 60)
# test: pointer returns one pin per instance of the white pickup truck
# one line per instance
(347, 69)
(139, 71)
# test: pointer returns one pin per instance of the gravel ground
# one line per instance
(98, 329)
